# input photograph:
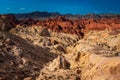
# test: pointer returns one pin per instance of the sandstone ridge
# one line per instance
(59, 48)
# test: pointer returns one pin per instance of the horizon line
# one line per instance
(62, 13)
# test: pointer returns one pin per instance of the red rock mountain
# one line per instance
(29, 51)
(81, 25)
(77, 26)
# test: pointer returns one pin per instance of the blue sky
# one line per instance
(62, 6)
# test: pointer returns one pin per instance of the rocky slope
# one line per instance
(7, 22)
(51, 50)
(19, 58)
(96, 61)
(85, 60)
(62, 24)
(78, 26)
(45, 38)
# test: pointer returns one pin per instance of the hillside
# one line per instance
(59, 48)
(45, 15)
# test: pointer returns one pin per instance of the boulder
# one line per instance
(44, 32)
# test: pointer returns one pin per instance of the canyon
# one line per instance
(60, 48)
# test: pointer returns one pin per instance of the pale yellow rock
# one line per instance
(94, 65)
(28, 78)
(96, 56)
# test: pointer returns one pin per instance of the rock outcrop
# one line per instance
(27, 22)
(96, 62)
(64, 25)
(20, 59)
(37, 35)
(101, 24)
(60, 49)
(86, 60)
(81, 25)
(56, 43)
(77, 26)
(7, 22)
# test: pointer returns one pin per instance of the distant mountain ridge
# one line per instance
(44, 15)
(36, 15)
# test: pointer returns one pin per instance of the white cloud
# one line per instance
(22, 8)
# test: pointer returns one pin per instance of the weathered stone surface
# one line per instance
(62, 24)
(45, 32)
(43, 50)
(7, 22)
(81, 25)
(20, 59)
(95, 61)
(40, 37)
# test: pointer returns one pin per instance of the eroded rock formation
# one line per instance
(7, 22)
(96, 62)
(77, 26)
(60, 49)
(20, 59)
